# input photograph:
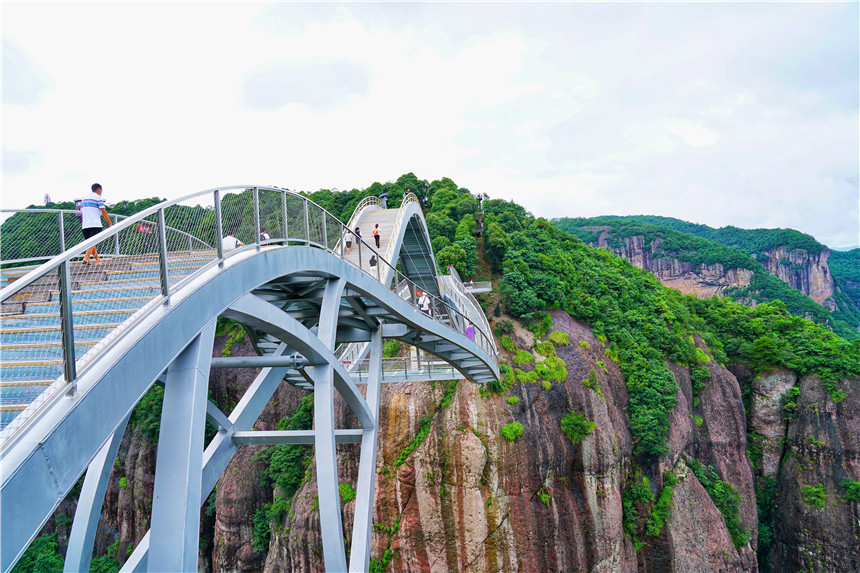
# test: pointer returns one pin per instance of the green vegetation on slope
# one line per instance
(641, 322)
(284, 472)
(732, 248)
(845, 268)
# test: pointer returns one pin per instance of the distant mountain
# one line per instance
(750, 265)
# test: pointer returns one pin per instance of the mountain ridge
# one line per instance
(708, 257)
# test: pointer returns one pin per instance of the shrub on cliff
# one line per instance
(559, 338)
(512, 432)
(816, 496)
(852, 489)
(552, 368)
(575, 426)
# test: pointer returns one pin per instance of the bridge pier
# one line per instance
(177, 496)
(89, 508)
(362, 523)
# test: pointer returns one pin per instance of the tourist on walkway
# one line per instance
(230, 242)
(470, 332)
(376, 234)
(424, 303)
(92, 208)
(264, 236)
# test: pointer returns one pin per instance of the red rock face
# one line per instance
(466, 499)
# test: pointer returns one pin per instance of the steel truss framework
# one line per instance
(306, 300)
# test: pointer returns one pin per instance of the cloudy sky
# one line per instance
(739, 114)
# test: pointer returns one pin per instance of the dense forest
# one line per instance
(734, 248)
(645, 327)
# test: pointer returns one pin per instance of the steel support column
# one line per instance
(331, 524)
(359, 559)
(177, 496)
(221, 449)
(89, 509)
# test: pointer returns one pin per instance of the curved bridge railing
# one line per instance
(304, 300)
(159, 236)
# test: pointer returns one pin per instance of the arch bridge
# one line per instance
(82, 344)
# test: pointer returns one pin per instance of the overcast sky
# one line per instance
(716, 113)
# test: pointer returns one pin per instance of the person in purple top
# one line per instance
(470, 332)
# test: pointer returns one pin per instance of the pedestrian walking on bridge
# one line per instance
(92, 207)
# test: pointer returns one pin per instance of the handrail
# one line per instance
(116, 217)
(356, 214)
(317, 237)
(410, 198)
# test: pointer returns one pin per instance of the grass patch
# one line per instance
(347, 492)
(545, 348)
(527, 377)
(522, 358)
(559, 337)
(508, 344)
(553, 369)
(390, 348)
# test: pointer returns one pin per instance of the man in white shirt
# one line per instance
(424, 303)
(92, 208)
(230, 242)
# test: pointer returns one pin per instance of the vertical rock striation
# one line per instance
(803, 271)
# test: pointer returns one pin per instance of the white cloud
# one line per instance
(688, 110)
(693, 134)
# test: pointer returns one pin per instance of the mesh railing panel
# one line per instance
(103, 297)
(296, 224)
(315, 225)
(271, 213)
(237, 215)
(335, 234)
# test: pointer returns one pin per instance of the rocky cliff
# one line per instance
(700, 280)
(803, 271)
(466, 499)
(452, 494)
(807, 446)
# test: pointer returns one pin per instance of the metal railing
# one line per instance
(52, 240)
(152, 257)
(404, 368)
(476, 285)
(352, 352)
(465, 301)
(395, 230)
(356, 214)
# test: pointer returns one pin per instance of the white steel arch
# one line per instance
(261, 288)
